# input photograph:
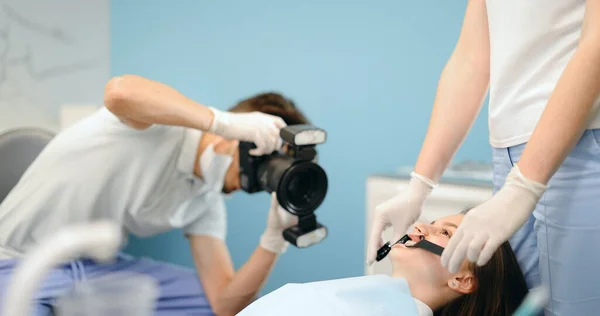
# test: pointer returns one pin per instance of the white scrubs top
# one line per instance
(101, 168)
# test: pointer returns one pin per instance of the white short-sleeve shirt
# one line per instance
(531, 42)
(101, 168)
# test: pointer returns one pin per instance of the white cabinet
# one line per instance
(451, 197)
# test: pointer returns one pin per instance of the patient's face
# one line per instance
(420, 265)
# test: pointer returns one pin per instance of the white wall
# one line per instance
(52, 53)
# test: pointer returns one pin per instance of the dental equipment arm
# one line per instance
(228, 291)
(534, 303)
(561, 125)
(141, 103)
(99, 241)
(461, 91)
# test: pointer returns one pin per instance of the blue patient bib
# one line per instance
(379, 295)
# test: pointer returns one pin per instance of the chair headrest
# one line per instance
(18, 149)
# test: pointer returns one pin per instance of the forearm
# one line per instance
(460, 95)
(246, 283)
(142, 102)
(566, 115)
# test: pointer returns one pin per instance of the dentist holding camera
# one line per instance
(152, 160)
(541, 61)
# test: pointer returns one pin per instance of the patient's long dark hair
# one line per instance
(500, 288)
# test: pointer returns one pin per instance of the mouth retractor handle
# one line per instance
(423, 244)
(385, 249)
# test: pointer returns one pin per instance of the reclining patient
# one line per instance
(419, 285)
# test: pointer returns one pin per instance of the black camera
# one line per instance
(300, 183)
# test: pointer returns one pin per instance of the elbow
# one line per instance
(473, 58)
(225, 307)
(590, 44)
(118, 94)
(475, 62)
(470, 67)
(221, 310)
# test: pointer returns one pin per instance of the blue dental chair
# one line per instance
(18, 149)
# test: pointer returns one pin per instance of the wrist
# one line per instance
(429, 170)
(432, 184)
(215, 121)
(211, 119)
(516, 178)
(421, 185)
(534, 171)
(272, 240)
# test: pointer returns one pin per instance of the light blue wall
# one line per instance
(366, 71)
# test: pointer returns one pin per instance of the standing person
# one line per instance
(152, 161)
(541, 61)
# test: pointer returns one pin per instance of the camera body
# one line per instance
(300, 183)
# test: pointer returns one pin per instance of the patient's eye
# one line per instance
(446, 232)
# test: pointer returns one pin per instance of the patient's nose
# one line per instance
(423, 229)
(420, 230)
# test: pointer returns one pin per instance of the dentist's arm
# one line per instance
(561, 125)
(461, 91)
(141, 103)
(228, 291)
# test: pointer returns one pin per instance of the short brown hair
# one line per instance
(272, 103)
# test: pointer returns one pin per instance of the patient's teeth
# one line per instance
(410, 243)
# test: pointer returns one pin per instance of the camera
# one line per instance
(299, 182)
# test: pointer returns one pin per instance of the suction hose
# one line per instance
(99, 241)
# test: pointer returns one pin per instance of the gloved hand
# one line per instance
(485, 227)
(400, 212)
(257, 127)
(279, 219)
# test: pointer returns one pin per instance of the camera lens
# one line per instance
(270, 171)
(299, 189)
(301, 186)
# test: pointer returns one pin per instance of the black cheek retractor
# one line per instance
(423, 244)
(429, 246)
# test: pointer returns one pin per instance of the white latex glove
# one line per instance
(485, 227)
(257, 127)
(400, 212)
(279, 219)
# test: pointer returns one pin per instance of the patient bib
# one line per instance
(379, 295)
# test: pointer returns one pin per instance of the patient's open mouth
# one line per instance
(410, 243)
